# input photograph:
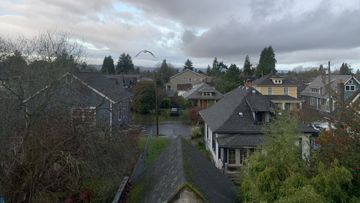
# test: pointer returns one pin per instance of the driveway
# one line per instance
(171, 129)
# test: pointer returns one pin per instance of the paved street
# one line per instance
(171, 129)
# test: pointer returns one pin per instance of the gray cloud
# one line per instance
(314, 30)
(300, 31)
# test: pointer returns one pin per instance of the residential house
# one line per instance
(316, 94)
(233, 126)
(88, 97)
(181, 174)
(184, 81)
(203, 95)
(280, 90)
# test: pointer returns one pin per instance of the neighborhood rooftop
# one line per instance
(239, 104)
(197, 90)
(179, 167)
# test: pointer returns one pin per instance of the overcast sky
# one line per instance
(302, 33)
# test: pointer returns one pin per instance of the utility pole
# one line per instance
(329, 88)
(156, 108)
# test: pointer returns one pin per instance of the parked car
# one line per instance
(174, 112)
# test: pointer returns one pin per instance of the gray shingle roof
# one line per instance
(196, 92)
(320, 81)
(266, 81)
(110, 87)
(224, 116)
(239, 140)
(181, 164)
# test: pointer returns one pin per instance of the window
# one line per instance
(207, 93)
(350, 87)
(269, 90)
(189, 79)
(350, 82)
(231, 156)
(286, 91)
(242, 155)
(84, 116)
(277, 81)
(314, 90)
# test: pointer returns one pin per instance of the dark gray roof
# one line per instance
(281, 97)
(110, 87)
(266, 81)
(224, 116)
(257, 102)
(196, 92)
(181, 165)
(239, 140)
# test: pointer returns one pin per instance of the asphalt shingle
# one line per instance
(180, 165)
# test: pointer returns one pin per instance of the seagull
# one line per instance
(145, 51)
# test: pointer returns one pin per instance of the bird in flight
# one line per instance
(145, 51)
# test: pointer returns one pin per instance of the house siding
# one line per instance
(186, 77)
(292, 91)
(349, 93)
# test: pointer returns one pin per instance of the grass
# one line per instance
(156, 146)
(135, 191)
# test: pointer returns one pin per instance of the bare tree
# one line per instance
(49, 160)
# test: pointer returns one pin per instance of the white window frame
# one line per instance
(316, 90)
(350, 88)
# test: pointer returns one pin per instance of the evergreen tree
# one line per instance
(321, 69)
(208, 70)
(267, 62)
(165, 72)
(345, 69)
(108, 66)
(230, 80)
(248, 71)
(125, 64)
(188, 65)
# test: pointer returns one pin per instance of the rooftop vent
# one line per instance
(253, 91)
(241, 114)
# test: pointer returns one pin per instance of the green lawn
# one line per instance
(156, 146)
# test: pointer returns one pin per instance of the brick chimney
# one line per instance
(340, 90)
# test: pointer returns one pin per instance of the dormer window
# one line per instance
(315, 90)
(277, 81)
(207, 93)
